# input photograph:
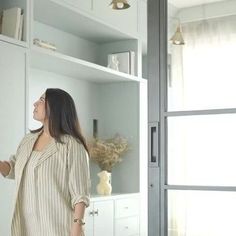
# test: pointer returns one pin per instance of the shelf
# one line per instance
(44, 59)
(67, 18)
(13, 41)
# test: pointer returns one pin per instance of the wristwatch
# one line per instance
(80, 221)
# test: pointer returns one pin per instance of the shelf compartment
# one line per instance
(13, 41)
(44, 59)
(24, 5)
(69, 19)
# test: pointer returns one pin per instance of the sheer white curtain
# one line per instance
(202, 149)
(203, 70)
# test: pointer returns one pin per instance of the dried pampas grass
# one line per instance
(107, 153)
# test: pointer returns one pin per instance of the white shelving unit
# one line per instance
(79, 65)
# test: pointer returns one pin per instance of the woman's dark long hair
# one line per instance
(62, 116)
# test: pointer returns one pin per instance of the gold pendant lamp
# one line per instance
(177, 38)
(119, 4)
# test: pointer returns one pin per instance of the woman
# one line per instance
(51, 168)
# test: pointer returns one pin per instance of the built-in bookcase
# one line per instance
(79, 65)
(83, 40)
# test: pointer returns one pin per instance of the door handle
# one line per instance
(96, 212)
(153, 134)
(153, 144)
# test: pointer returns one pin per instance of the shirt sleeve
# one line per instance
(13, 158)
(79, 175)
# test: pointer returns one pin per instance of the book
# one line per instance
(1, 23)
(11, 22)
(125, 61)
(20, 34)
(132, 63)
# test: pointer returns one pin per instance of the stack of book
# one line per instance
(122, 61)
(12, 23)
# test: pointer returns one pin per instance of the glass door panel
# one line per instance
(202, 71)
(198, 119)
(201, 213)
(201, 150)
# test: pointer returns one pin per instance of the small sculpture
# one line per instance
(113, 62)
(104, 186)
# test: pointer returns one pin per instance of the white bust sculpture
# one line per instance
(113, 62)
(104, 186)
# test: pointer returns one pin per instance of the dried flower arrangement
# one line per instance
(107, 153)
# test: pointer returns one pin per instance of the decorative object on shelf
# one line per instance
(113, 63)
(107, 153)
(119, 4)
(12, 23)
(125, 61)
(104, 185)
(95, 128)
(44, 44)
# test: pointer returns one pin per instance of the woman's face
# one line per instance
(39, 113)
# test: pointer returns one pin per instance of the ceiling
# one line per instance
(191, 3)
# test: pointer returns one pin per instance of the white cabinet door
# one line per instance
(103, 218)
(12, 119)
(124, 20)
(99, 219)
(89, 218)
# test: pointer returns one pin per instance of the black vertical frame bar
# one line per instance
(163, 63)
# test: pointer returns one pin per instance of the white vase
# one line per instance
(104, 186)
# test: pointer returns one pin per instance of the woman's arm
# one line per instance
(77, 227)
(5, 168)
(79, 184)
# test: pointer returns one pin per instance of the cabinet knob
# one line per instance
(126, 208)
(126, 227)
(91, 213)
(96, 212)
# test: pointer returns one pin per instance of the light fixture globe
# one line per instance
(119, 4)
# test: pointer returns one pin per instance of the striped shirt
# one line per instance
(49, 184)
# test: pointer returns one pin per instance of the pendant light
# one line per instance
(177, 38)
(119, 4)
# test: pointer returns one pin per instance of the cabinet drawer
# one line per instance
(126, 207)
(127, 226)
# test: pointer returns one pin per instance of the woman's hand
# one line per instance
(4, 168)
(77, 230)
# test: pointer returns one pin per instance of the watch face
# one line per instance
(80, 221)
